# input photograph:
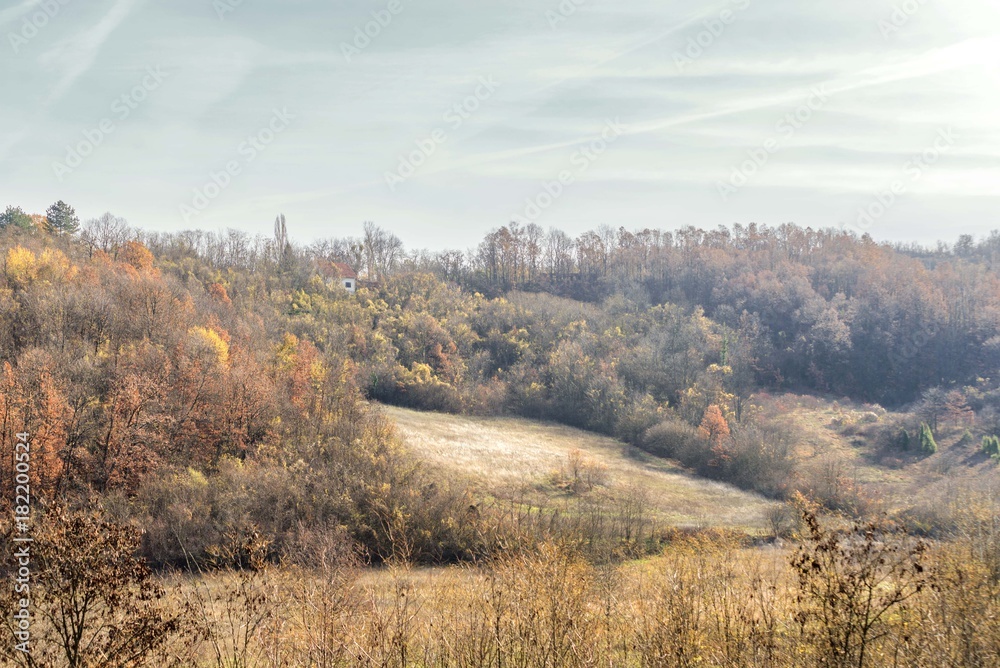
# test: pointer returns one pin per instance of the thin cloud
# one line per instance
(16, 12)
(78, 54)
(933, 62)
(691, 20)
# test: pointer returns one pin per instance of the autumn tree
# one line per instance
(219, 293)
(957, 409)
(558, 253)
(137, 256)
(715, 429)
(282, 245)
(382, 251)
(933, 406)
(196, 404)
(130, 442)
(33, 401)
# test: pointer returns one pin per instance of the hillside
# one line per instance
(518, 458)
(856, 442)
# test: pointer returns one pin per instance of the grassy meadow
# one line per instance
(546, 463)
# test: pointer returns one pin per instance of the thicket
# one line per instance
(855, 596)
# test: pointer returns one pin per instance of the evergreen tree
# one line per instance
(904, 439)
(927, 443)
(15, 216)
(991, 446)
(62, 218)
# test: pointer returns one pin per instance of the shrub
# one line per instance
(642, 414)
(852, 584)
(904, 439)
(94, 602)
(677, 440)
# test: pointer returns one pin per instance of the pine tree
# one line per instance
(991, 446)
(927, 443)
(15, 216)
(62, 218)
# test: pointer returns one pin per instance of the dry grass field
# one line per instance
(702, 602)
(518, 458)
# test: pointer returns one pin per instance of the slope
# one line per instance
(518, 458)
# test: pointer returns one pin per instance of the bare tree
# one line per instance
(282, 246)
(382, 251)
(106, 233)
(534, 235)
(558, 252)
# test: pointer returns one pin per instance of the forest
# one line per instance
(207, 437)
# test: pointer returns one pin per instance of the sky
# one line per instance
(443, 119)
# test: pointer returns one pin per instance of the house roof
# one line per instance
(335, 269)
(345, 270)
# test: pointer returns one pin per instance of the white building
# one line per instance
(340, 273)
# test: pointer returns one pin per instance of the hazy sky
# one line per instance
(654, 113)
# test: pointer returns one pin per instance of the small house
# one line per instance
(338, 272)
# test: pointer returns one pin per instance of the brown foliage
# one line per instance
(850, 584)
(94, 603)
(33, 401)
(715, 430)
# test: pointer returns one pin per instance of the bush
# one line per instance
(852, 584)
(641, 415)
(761, 458)
(93, 601)
(190, 517)
(678, 440)
(904, 439)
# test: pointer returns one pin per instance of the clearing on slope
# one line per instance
(518, 458)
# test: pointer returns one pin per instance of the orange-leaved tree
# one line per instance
(715, 430)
